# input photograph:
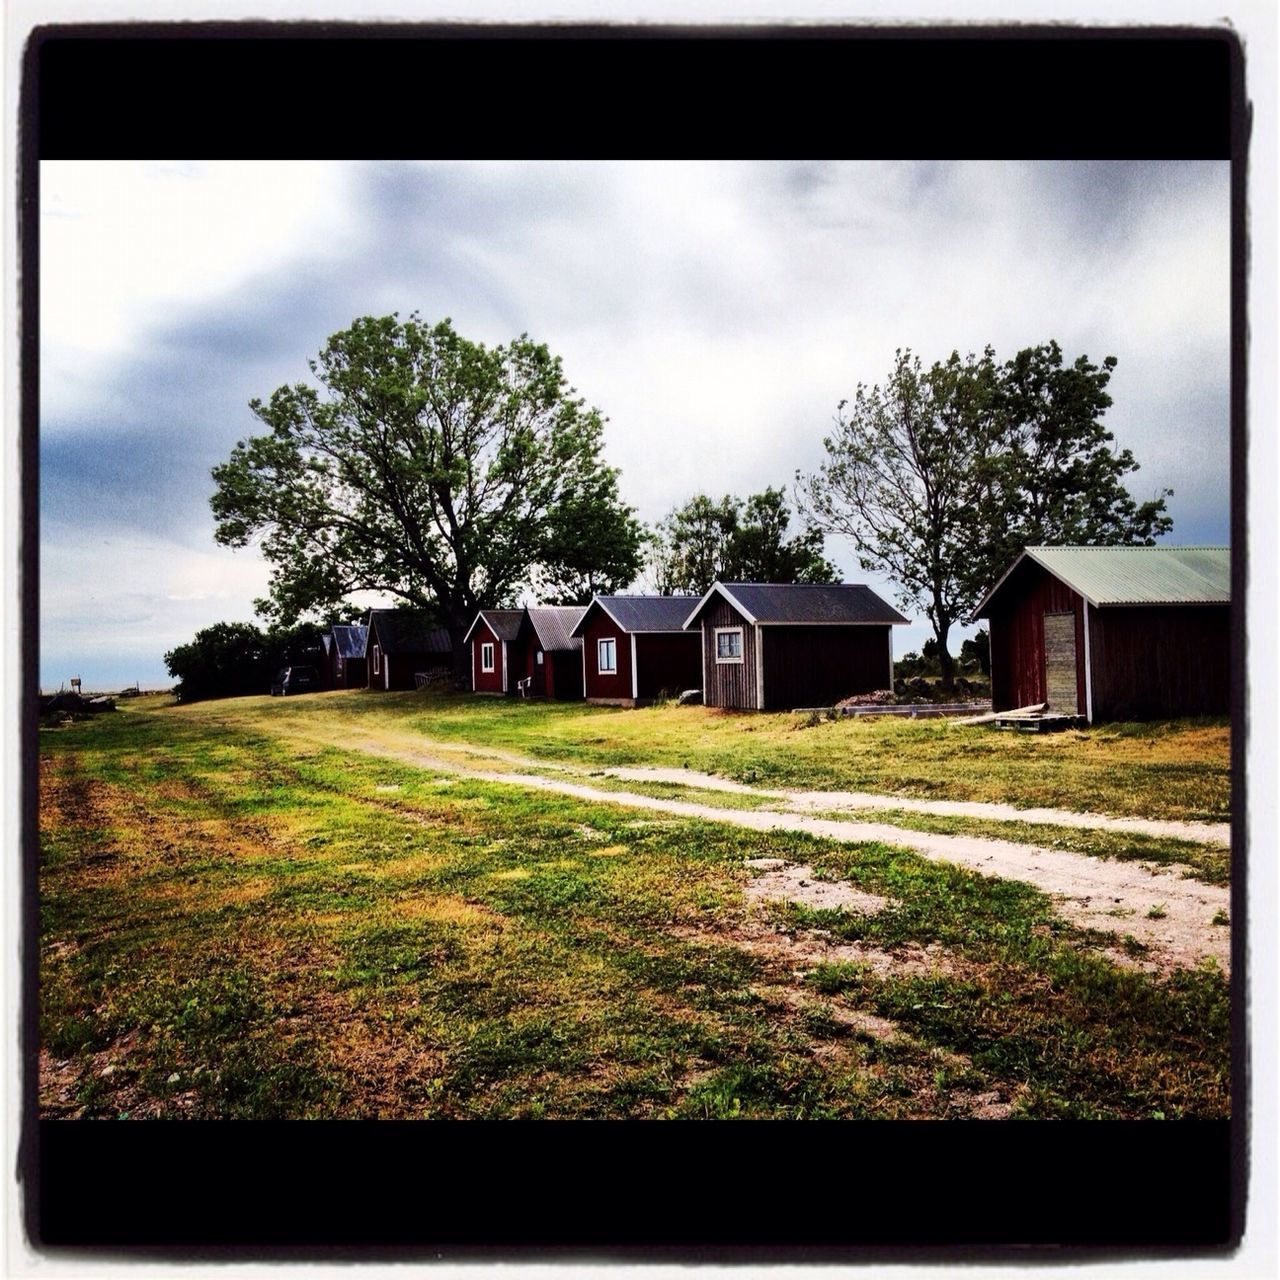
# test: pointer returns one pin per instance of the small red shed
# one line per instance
(493, 637)
(1113, 633)
(552, 653)
(344, 656)
(774, 646)
(635, 649)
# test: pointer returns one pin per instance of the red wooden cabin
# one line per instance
(344, 657)
(1113, 633)
(635, 649)
(496, 663)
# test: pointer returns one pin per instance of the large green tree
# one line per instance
(734, 541)
(431, 469)
(939, 477)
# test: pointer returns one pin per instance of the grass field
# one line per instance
(244, 915)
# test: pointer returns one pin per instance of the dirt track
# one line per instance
(1169, 914)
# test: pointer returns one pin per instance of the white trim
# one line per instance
(504, 666)
(377, 660)
(584, 668)
(607, 671)
(702, 639)
(903, 622)
(1088, 668)
(759, 669)
(635, 679)
(717, 588)
(491, 646)
(742, 646)
(471, 629)
(386, 672)
(889, 686)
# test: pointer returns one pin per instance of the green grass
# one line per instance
(240, 923)
(1160, 770)
(1210, 863)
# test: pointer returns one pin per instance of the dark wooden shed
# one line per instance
(1113, 633)
(344, 657)
(635, 649)
(773, 646)
(400, 644)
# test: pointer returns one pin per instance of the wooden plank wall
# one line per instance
(817, 666)
(615, 687)
(668, 664)
(729, 684)
(1166, 661)
(1017, 637)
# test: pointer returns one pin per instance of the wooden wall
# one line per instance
(668, 663)
(1017, 637)
(1161, 661)
(486, 681)
(817, 666)
(609, 688)
(729, 684)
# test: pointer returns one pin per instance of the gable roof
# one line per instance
(408, 631)
(504, 623)
(1132, 575)
(641, 613)
(774, 603)
(553, 624)
(349, 640)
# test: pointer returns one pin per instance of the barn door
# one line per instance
(1060, 688)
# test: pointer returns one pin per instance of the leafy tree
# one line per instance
(232, 659)
(735, 541)
(1051, 475)
(431, 469)
(941, 476)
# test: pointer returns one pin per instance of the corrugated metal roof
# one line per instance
(408, 631)
(1135, 575)
(801, 602)
(554, 624)
(504, 623)
(350, 640)
(645, 613)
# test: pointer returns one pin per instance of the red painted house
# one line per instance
(528, 651)
(635, 649)
(1113, 633)
(400, 644)
(774, 646)
(497, 661)
(552, 653)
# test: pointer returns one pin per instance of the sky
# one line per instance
(716, 313)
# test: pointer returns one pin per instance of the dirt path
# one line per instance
(1200, 832)
(1170, 915)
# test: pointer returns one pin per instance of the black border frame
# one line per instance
(109, 1190)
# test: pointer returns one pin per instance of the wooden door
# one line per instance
(1060, 686)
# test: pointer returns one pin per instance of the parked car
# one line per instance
(295, 680)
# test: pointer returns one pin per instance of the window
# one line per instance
(539, 659)
(728, 644)
(607, 657)
(486, 657)
(377, 655)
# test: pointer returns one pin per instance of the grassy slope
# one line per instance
(235, 924)
(1179, 770)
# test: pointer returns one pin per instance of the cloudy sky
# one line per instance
(716, 313)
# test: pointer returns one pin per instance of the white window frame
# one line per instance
(377, 660)
(487, 657)
(601, 669)
(741, 655)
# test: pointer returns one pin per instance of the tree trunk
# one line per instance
(946, 662)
